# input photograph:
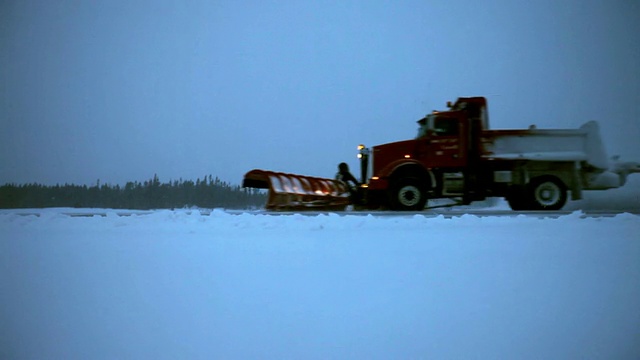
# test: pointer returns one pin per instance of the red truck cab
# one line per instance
(404, 173)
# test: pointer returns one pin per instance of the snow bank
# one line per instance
(176, 284)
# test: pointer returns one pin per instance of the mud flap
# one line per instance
(298, 192)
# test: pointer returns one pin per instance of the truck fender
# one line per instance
(409, 168)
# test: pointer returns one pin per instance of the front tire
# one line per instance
(408, 194)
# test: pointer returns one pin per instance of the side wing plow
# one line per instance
(297, 192)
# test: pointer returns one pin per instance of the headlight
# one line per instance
(362, 151)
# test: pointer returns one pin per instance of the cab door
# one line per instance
(444, 145)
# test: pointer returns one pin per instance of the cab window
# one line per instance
(443, 126)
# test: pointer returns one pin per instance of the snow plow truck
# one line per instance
(455, 155)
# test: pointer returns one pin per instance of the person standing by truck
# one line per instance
(345, 176)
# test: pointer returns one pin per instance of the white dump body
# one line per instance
(583, 145)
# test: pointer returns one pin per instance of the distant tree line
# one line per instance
(208, 192)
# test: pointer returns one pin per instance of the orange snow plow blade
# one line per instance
(297, 192)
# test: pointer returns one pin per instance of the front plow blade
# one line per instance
(297, 192)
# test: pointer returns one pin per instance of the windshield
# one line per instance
(423, 127)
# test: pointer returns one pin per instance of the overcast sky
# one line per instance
(122, 90)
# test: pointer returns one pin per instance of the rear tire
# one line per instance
(547, 193)
(408, 194)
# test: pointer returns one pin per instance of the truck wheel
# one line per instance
(547, 193)
(408, 194)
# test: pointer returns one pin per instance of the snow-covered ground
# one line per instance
(177, 284)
